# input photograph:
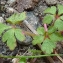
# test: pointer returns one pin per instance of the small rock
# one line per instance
(51, 2)
(3, 2)
(41, 9)
(10, 10)
(32, 19)
(27, 41)
(1, 20)
(3, 15)
(22, 5)
(11, 2)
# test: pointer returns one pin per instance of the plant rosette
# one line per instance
(11, 33)
(48, 37)
(54, 15)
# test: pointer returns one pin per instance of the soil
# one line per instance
(34, 9)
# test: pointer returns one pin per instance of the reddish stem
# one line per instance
(57, 16)
(45, 27)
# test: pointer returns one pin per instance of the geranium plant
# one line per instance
(12, 32)
(50, 33)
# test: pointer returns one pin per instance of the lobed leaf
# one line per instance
(11, 43)
(51, 10)
(40, 30)
(51, 29)
(60, 9)
(48, 19)
(61, 17)
(3, 27)
(10, 38)
(16, 18)
(37, 39)
(19, 35)
(59, 24)
(55, 37)
(48, 46)
(5, 36)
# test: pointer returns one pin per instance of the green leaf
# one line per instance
(22, 60)
(61, 17)
(40, 30)
(10, 38)
(16, 18)
(7, 34)
(60, 9)
(11, 43)
(55, 37)
(51, 10)
(35, 52)
(59, 24)
(51, 29)
(48, 19)
(48, 46)
(37, 39)
(19, 35)
(3, 27)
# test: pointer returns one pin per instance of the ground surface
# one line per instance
(34, 9)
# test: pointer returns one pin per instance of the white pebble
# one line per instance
(10, 10)
(1, 20)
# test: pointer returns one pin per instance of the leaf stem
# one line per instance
(45, 27)
(37, 56)
(29, 33)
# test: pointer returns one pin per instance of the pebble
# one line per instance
(1, 20)
(10, 10)
(32, 19)
(11, 2)
(27, 41)
(50, 2)
(22, 5)
(41, 9)
(3, 2)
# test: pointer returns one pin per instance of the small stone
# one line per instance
(51, 2)
(22, 5)
(32, 19)
(1, 20)
(3, 15)
(3, 2)
(27, 41)
(10, 10)
(11, 2)
(41, 9)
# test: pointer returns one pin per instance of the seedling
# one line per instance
(12, 32)
(49, 34)
(54, 15)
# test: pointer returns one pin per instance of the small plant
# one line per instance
(50, 33)
(12, 32)
(55, 16)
